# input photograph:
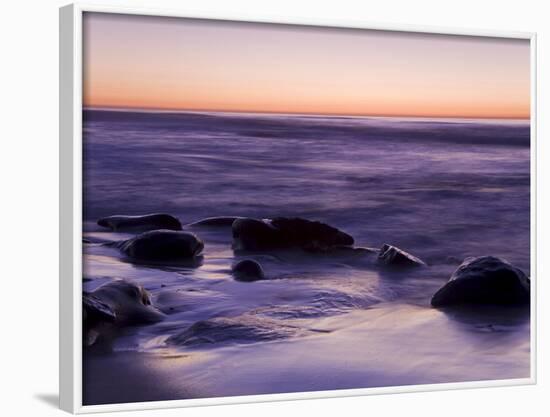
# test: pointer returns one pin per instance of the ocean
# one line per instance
(441, 189)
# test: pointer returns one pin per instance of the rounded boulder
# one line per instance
(247, 270)
(162, 245)
(484, 280)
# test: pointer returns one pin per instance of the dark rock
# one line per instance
(225, 221)
(95, 311)
(162, 245)
(284, 233)
(95, 316)
(254, 234)
(247, 270)
(484, 280)
(243, 329)
(310, 234)
(143, 223)
(112, 306)
(393, 256)
(130, 303)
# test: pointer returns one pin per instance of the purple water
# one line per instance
(443, 189)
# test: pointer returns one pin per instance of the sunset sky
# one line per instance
(187, 64)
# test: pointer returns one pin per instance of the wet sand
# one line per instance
(392, 345)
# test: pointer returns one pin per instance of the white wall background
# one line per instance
(29, 208)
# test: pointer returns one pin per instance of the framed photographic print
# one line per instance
(265, 210)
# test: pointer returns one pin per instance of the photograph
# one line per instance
(273, 208)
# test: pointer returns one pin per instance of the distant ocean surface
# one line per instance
(441, 189)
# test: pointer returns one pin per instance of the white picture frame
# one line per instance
(70, 153)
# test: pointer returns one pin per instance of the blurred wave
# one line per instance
(443, 187)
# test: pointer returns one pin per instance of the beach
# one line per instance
(441, 189)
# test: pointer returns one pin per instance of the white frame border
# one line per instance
(70, 213)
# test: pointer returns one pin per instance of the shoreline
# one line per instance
(318, 363)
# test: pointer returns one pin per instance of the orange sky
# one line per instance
(187, 64)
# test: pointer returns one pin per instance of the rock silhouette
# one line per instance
(120, 223)
(393, 256)
(162, 245)
(484, 280)
(113, 305)
(247, 270)
(130, 302)
(285, 233)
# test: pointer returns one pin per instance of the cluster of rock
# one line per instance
(162, 238)
(482, 280)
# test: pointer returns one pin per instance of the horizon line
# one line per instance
(267, 112)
